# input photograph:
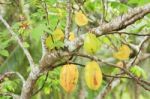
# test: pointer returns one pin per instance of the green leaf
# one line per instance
(138, 71)
(37, 32)
(58, 44)
(9, 85)
(140, 2)
(121, 8)
(26, 45)
(104, 39)
(4, 53)
(47, 90)
(4, 44)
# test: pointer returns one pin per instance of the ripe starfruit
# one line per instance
(91, 43)
(93, 75)
(69, 77)
(123, 53)
(71, 36)
(80, 19)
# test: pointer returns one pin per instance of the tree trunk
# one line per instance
(27, 89)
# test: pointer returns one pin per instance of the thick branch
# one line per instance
(116, 24)
(28, 86)
(123, 21)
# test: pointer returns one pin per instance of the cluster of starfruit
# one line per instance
(93, 75)
(69, 76)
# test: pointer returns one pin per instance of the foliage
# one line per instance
(31, 19)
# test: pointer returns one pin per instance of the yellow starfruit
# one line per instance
(91, 43)
(69, 77)
(80, 19)
(72, 36)
(123, 53)
(93, 75)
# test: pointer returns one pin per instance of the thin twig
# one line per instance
(10, 94)
(140, 48)
(118, 32)
(104, 11)
(3, 76)
(68, 19)
(106, 75)
(42, 84)
(5, 3)
(8, 74)
(26, 52)
(46, 11)
(106, 89)
(20, 76)
(123, 21)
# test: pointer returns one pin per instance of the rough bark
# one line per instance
(28, 86)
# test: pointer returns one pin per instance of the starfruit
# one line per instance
(91, 43)
(80, 19)
(93, 75)
(69, 77)
(72, 36)
(123, 53)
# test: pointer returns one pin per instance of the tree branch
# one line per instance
(10, 94)
(3, 76)
(68, 20)
(42, 84)
(139, 49)
(116, 24)
(28, 86)
(119, 32)
(138, 81)
(123, 21)
(26, 52)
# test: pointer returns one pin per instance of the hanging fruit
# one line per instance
(123, 53)
(91, 43)
(93, 75)
(69, 77)
(80, 19)
(72, 36)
